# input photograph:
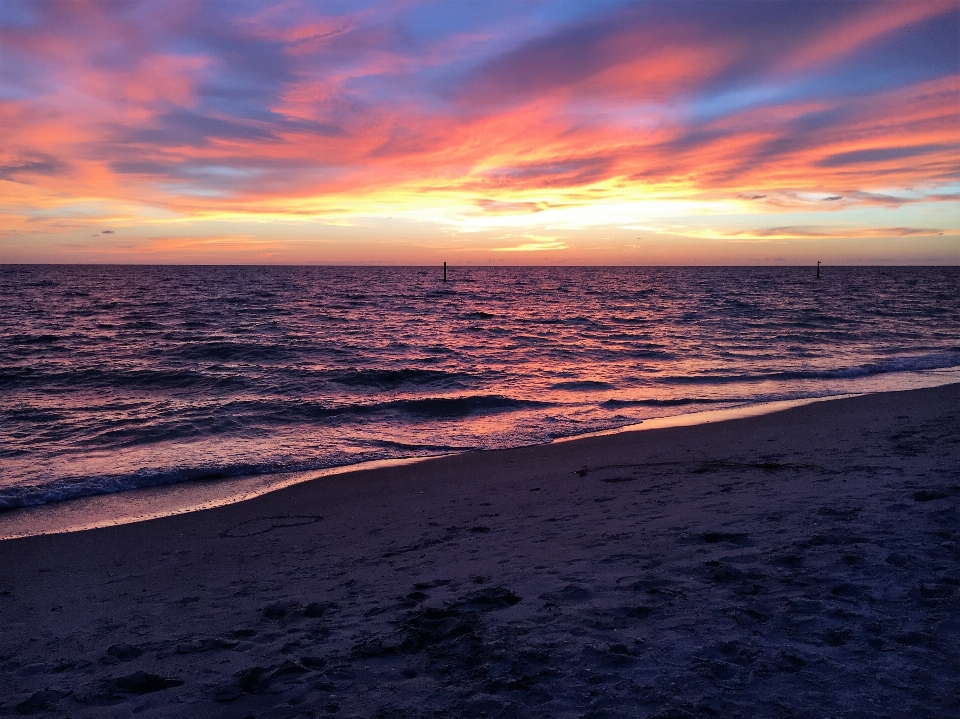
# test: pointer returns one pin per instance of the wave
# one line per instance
(219, 378)
(582, 385)
(75, 487)
(912, 363)
(392, 378)
(282, 411)
(459, 406)
(37, 339)
(228, 351)
(57, 427)
(412, 447)
(614, 403)
(431, 407)
(66, 488)
(123, 379)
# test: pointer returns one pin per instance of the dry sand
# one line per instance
(800, 564)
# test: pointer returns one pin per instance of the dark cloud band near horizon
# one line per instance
(476, 123)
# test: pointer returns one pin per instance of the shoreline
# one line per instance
(147, 503)
(794, 564)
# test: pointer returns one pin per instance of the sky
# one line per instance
(403, 132)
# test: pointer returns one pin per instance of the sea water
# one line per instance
(117, 378)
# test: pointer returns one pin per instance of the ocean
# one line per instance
(114, 378)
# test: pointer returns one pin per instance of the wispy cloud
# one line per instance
(475, 116)
(795, 232)
(534, 244)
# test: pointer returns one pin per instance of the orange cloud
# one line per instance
(196, 115)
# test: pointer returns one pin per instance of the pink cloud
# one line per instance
(189, 111)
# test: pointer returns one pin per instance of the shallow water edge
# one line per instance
(138, 505)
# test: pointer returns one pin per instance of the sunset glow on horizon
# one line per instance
(554, 132)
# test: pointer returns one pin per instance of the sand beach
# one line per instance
(799, 564)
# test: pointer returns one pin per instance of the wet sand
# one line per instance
(798, 564)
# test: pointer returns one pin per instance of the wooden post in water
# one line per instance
(445, 272)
